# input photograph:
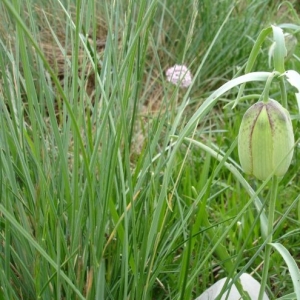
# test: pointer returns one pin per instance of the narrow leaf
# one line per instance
(293, 78)
(279, 49)
(291, 296)
(36, 245)
(293, 268)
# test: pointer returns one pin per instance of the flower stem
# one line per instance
(269, 237)
(283, 92)
(267, 86)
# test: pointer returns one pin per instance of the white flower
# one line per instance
(179, 74)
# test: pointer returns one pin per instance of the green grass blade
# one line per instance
(37, 246)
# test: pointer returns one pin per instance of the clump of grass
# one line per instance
(95, 202)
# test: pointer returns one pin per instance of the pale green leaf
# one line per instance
(293, 268)
(291, 296)
(279, 49)
(293, 77)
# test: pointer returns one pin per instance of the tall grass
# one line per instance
(95, 201)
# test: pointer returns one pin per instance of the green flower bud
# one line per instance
(266, 140)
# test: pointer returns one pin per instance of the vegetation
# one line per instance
(105, 189)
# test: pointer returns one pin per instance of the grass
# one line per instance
(98, 199)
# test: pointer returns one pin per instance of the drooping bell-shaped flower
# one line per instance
(266, 140)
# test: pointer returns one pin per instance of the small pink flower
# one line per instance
(179, 74)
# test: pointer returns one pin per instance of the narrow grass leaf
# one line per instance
(36, 245)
